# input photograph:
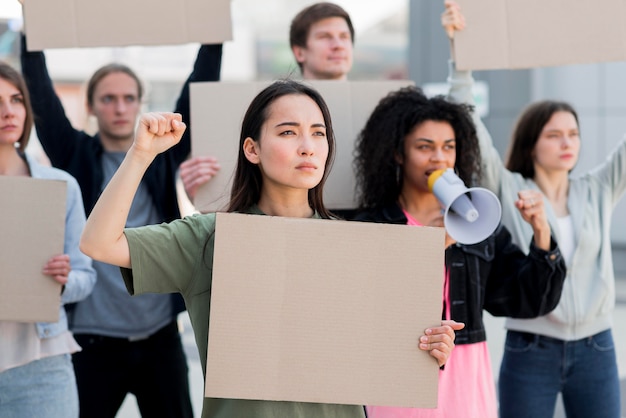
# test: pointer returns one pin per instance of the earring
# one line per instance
(17, 145)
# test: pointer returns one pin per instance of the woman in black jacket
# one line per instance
(408, 137)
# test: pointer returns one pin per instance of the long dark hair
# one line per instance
(526, 134)
(378, 173)
(12, 76)
(248, 182)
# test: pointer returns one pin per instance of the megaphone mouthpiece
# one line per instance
(433, 177)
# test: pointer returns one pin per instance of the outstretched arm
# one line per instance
(460, 90)
(207, 67)
(54, 130)
(103, 238)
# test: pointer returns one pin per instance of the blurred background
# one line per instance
(395, 39)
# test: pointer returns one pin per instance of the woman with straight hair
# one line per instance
(36, 373)
(570, 350)
(286, 149)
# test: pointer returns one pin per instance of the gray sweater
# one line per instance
(588, 298)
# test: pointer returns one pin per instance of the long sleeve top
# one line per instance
(588, 298)
(80, 154)
(82, 277)
(493, 275)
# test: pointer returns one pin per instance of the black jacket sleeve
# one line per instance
(523, 286)
(54, 130)
(207, 67)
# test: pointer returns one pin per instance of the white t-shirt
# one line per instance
(567, 240)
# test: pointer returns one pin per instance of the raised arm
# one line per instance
(207, 67)
(54, 130)
(198, 170)
(103, 238)
(612, 172)
(460, 90)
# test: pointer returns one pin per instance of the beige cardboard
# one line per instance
(217, 110)
(32, 222)
(323, 311)
(537, 33)
(95, 23)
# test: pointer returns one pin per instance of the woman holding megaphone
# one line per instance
(570, 350)
(407, 138)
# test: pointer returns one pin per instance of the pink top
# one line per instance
(466, 385)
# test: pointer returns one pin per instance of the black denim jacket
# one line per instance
(494, 275)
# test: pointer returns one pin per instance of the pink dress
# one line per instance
(466, 385)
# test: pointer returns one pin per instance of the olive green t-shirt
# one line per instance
(178, 257)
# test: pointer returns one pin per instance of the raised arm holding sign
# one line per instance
(537, 365)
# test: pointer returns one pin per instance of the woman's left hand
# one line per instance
(440, 340)
(58, 267)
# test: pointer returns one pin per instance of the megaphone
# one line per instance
(470, 215)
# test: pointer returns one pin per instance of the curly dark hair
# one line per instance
(382, 139)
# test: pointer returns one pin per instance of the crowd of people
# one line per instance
(131, 265)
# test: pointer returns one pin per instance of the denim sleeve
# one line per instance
(82, 277)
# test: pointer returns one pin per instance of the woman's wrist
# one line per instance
(542, 237)
(140, 157)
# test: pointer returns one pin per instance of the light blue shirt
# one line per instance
(82, 277)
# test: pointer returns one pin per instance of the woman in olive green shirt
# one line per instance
(286, 148)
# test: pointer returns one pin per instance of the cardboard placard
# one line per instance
(538, 33)
(33, 228)
(217, 110)
(95, 23)
(323, 311)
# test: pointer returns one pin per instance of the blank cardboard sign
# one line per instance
(323, 311)
(217, 110)
(96, 23)
(33, 228)
(539, 33)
